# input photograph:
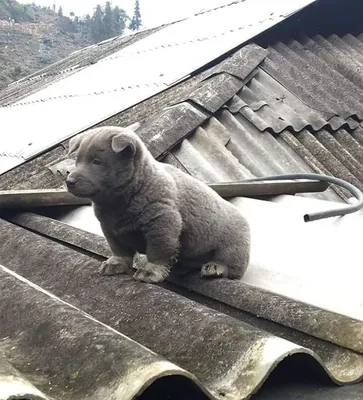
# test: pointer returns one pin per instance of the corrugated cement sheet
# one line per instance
(210, 154)
(131, 75)
(111, 324)
(221, 338)
(308, 94)
(73, 63)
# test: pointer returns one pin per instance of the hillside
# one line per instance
(32, 37)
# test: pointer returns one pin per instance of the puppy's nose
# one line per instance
(71, 181)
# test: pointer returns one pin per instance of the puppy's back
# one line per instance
(201, 205)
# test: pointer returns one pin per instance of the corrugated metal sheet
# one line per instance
(121, 80)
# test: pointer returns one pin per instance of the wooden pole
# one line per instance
(23, 199)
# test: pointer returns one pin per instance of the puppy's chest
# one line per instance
(129, 233)
(126, 228)
(131, 237)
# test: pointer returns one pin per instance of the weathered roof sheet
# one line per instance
(231, 368)
(67, 66)
(325, 73)
(222, 338)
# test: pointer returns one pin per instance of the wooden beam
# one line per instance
(267, 188)
(24, 199)
(38, 198)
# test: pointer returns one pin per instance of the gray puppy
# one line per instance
(153, 215)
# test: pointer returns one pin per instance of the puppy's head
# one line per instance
(105, 161)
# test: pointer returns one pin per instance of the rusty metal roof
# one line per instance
(68, 333)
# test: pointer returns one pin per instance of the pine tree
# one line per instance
(86, 26)
(108, 31)
(136, 23)
(119, 18)
(106, 22)
(60, 12)
(97, 30)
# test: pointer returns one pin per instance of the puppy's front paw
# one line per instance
(140, 261)
(152, 274)
(214, 270)
(115, 266)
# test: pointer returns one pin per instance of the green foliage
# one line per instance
(136, 22)
(119, 18)
(12, 10)
(32, 47)
(106, 21)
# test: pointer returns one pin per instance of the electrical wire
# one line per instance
(351, 208)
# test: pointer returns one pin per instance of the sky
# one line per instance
(153, 12)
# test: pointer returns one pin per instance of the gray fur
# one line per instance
(153, 215)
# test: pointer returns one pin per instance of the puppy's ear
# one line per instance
(74, 143)
(124, 143)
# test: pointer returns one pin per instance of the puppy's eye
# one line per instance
(96, 161)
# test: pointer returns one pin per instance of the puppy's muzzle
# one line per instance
(71, 182)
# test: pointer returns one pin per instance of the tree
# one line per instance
(85, 27)
(60, 12)
(107, 19)
(119, 18)
(97, 25)
(136, 23)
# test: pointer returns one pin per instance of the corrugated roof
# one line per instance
(67, 66)
(229, 355)
(118, 81)
(325, 73)
(204, 339)
(312, 103)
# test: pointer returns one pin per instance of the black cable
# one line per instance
(351, 208)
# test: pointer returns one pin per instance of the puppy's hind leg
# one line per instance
(230, 261)
(214, 269)
(186, 266)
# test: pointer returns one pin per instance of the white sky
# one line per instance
(153, 12)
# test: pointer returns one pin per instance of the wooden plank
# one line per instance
(270, 188)
(38, 198)
(24, 199)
